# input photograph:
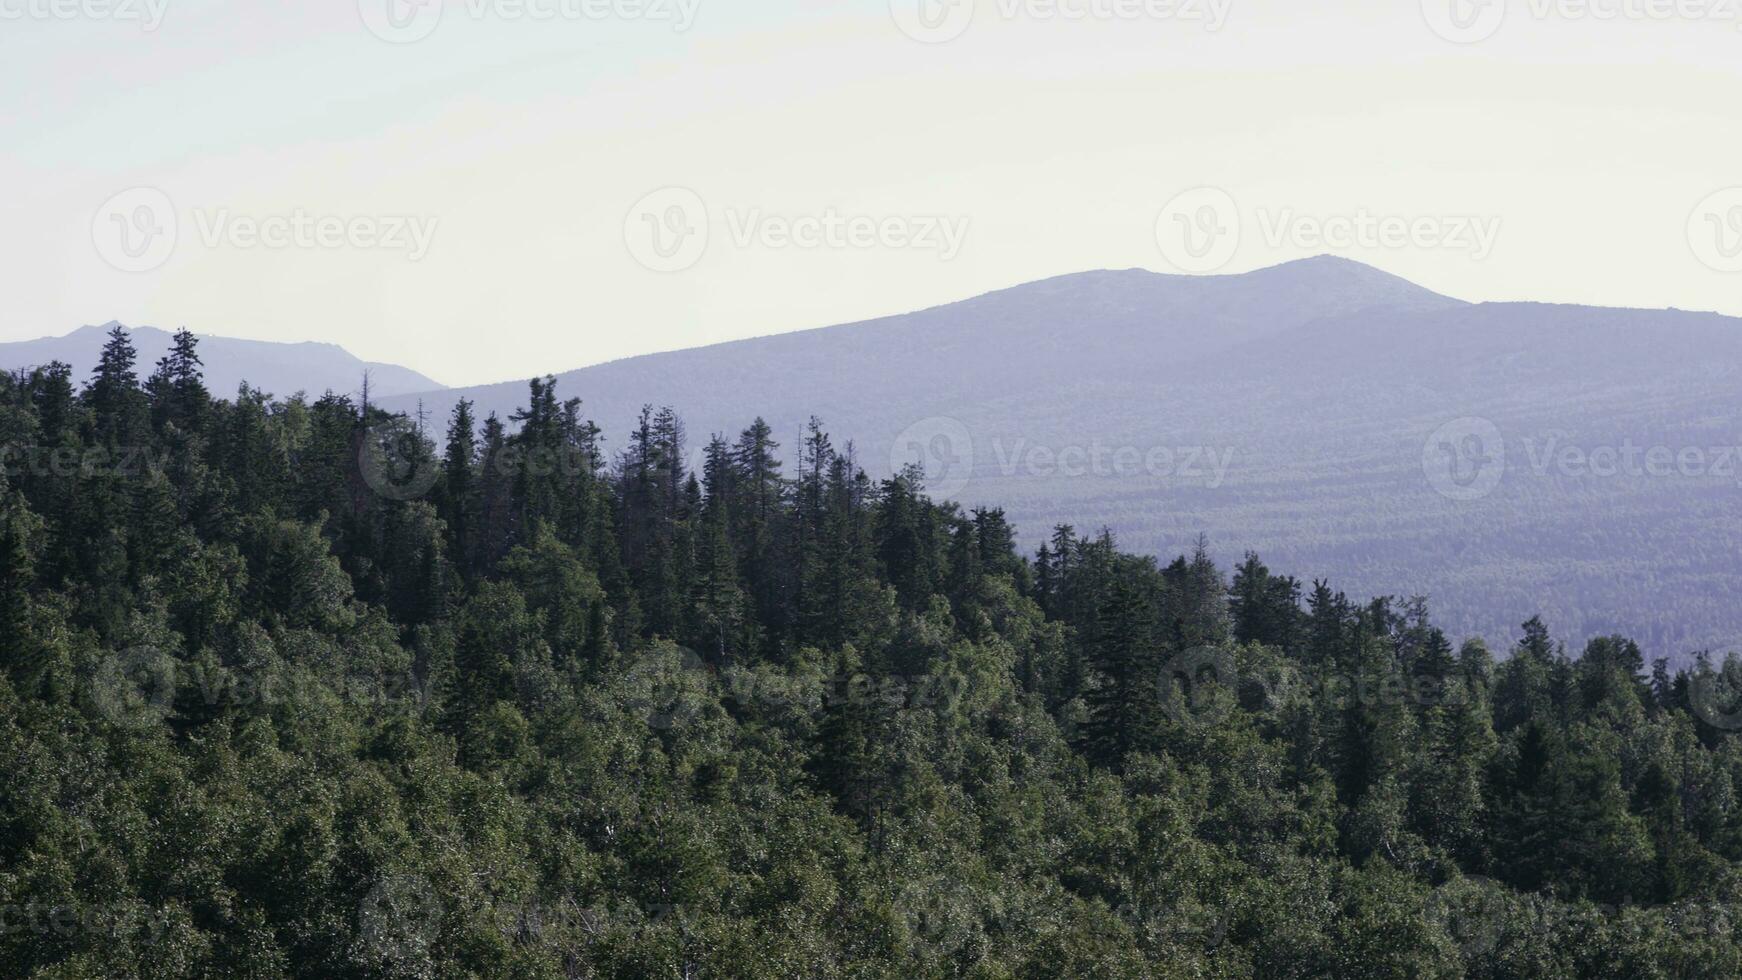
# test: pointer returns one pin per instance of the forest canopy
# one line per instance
(304, 688)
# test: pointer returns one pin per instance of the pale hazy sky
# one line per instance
(466, 189)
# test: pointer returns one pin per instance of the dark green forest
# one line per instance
(302, 688)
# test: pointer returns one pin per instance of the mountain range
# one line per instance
(1338, 420)
(277, 368)
(1503, 459)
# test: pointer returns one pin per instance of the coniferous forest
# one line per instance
(296, 687)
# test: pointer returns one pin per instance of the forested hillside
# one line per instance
(293, 688)
(1286, 411)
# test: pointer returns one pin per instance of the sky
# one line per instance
(484, 190)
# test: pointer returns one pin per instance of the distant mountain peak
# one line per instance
(1326, 260)
(1340, 285)
(1337, 271)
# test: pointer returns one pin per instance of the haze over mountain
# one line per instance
(1504, 459)
(281, 369)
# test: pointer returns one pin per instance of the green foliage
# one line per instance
(282, 693)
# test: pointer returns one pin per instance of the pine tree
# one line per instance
(253, 458)
(668, 441)
(1196, 609)
(116, 401)
(1264, 608)
(757, 482)
(1328, 628)
(178, 391)
(848, 762)
(1662, 688)
(1045, 579)
(904, 546)
(20, 535)
(717, 598)
(536, 451)
(1526, 685)
(997, 541)
(1124, 707)
(1450, 805)
(496, 519)
(580, 502)
(493, 633)
(458, 501)
(965, 572)
(51, 390)
(641, 494)
(1608, 677)
(816, 459)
